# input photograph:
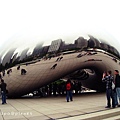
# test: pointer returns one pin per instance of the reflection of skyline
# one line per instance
(82, 42)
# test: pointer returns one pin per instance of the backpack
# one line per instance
(68, 86)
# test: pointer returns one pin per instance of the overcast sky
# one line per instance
(25, 22)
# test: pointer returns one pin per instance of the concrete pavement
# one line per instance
(53, 108)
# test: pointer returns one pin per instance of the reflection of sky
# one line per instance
(25, 23)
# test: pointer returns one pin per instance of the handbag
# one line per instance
(113, 85)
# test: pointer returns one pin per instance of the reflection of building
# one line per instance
(88, 70)
(55, 45)
(41, 51)
(67, 47)
(104, 46)
(116, 52)
(93, 42)
(14, 57)
(0, 60)
(81, 43)
(44, 50)
(113, 50)
(37, 49)
(8, 56)
(109, 48)
(24, 54)
(1, 55)
(29, 53)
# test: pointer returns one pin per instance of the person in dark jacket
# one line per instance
(117, 84)
(3, 91)
(69, 90)
(109, 92)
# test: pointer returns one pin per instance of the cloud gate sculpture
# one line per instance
(84, 60)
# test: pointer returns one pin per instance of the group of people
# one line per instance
(112, 93)
(58, 88)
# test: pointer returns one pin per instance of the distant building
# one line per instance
(81, 43)
(55, 46)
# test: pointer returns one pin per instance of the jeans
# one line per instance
(109, 95)
(115, 98)
(118, 92)
(69, 95)
(3, 97)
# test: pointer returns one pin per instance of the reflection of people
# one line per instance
(69, 90)
(23, 71)
(109, 92)
(3, 91)
(18, 67)
(61, 58)
(117, 83)
(54, 66)
(9, 71)
(57, 59)
(3, 72)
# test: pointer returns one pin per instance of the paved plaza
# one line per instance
(54, 108)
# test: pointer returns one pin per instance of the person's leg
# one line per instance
(118, 93)
(67, 96)
(113, 98)
(71, 96)
(2, 97)
(108, 98)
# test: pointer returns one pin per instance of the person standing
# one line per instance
(69, 91)
(109, 92)
(3, 91)
(117, 84)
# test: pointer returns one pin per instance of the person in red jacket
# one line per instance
(69, 91)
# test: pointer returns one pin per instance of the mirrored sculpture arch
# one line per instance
(84, 60)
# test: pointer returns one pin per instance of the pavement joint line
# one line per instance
(34, 110)
(93, 113)
(18, 111)
(82, 114)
